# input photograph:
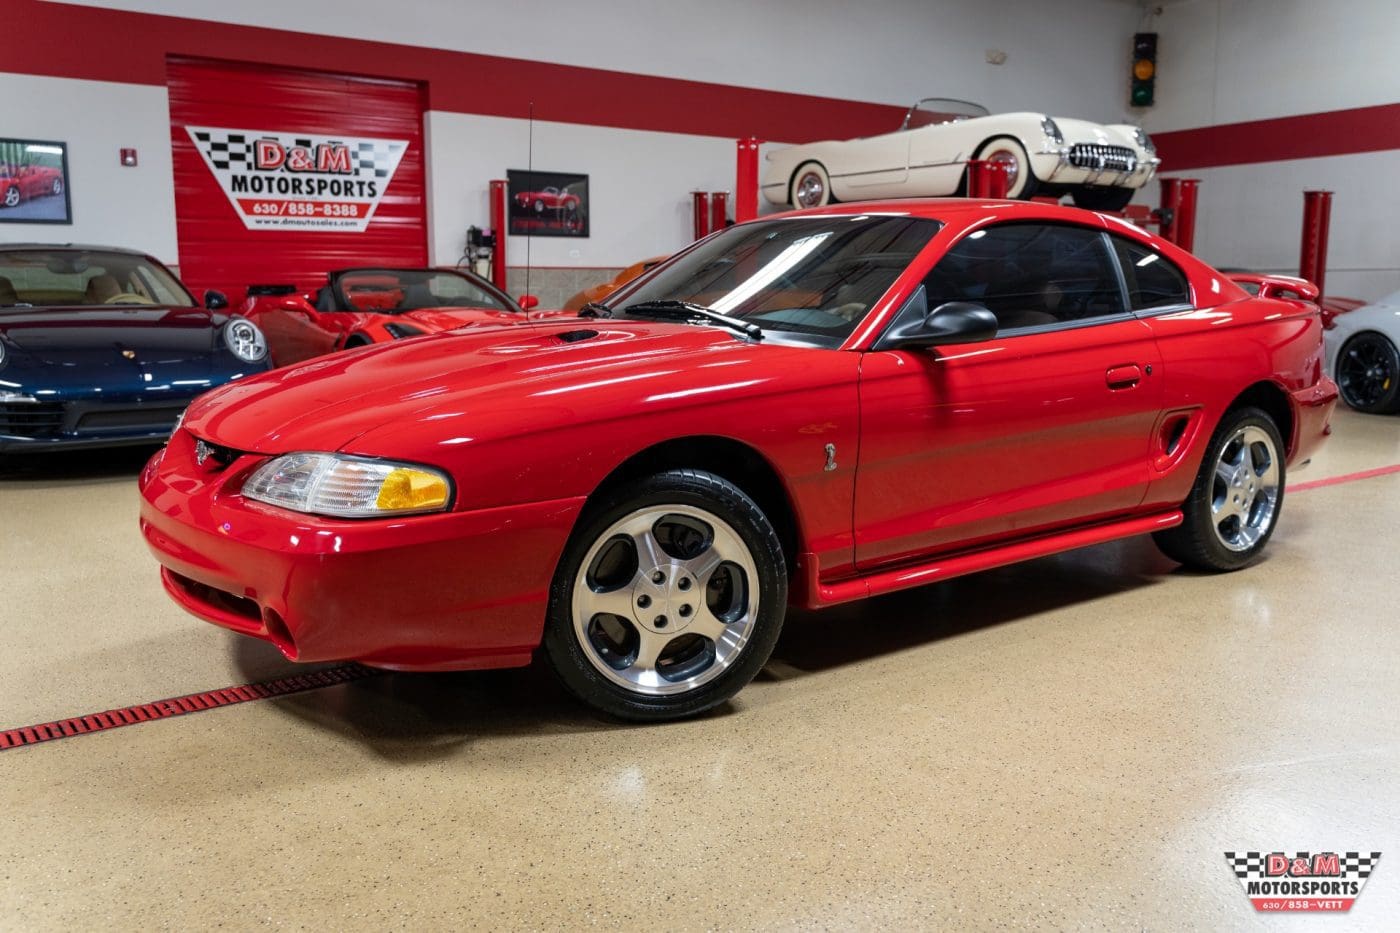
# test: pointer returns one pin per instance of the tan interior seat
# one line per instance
(100, 289)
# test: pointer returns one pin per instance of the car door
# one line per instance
(1048, 424)
(877, 166)
(938, 154)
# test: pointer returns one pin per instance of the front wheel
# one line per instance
(1235, 502)
(668, 599)
(1368, 374)
(1021, 183)
(58, 186)
(12, 196)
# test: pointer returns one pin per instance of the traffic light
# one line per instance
(1144, 68)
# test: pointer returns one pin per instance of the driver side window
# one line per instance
(1031, 275)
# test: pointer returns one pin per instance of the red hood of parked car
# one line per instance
(429, 390)
(435, 320)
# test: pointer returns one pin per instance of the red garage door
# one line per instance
(281, 176)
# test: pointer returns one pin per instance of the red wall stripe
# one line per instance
(1306, 136)
(68, 41)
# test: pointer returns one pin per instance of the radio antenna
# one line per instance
(530, 171)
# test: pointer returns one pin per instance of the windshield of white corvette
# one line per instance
(63, 278)
(812, 276)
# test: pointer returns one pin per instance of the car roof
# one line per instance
(74, 247)
(949, 209)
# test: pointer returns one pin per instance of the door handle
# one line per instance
(1123, 377)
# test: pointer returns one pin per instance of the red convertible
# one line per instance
(357, 307)
(22, 182)
(552, 199)
(805, 409)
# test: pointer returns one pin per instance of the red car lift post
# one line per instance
(1317, 220)
(746, 179)
(987, 179)
(498, 224)
(700, 208)
(1177, 210)
(719, 211)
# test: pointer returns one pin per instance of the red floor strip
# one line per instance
(178, 706)
(1344, 478)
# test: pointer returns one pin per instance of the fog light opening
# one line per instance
(279, 634)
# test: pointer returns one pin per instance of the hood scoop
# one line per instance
(575, 336)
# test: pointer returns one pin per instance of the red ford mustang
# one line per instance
(362, 306)
(804, 409)
(549, 199)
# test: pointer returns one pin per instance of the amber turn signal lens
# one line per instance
(1143, 69)
(409, 490)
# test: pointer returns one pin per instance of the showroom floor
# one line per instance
(1071, 742)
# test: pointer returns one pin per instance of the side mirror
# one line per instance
(949, 323)
(215, 301)
(529, 301)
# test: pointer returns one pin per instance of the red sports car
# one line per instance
(22, 182)
(550, 199)
(805, 409)
(357, 307)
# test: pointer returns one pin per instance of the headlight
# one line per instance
(348, 487)
(1143, 139)
(244, 340)
(1051, 129)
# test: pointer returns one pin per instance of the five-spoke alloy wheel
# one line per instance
(669, 598)
(1235, 502)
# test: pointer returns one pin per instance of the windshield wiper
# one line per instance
(595, 309)
(671, 310)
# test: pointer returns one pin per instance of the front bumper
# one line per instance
(450, 591)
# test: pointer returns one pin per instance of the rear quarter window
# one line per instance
(1153, 280)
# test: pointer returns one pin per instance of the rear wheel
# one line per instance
(668, 599)
(811, 186)
(12, 196)
(1235, 502)
(1368, 374)
(58, 186)
(1094, 198)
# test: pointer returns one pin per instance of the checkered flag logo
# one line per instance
(1352, 864)
(1246, 864)
(299, 181)
(1302, 881)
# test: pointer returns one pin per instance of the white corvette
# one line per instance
(1101, 166)
(1362, 356)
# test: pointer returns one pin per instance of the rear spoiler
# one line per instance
(1288, 287)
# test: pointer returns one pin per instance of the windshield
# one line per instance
(391, 291)
(817, 277)
(931, 111)
(59, 278)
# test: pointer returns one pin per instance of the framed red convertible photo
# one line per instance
(34, 182)
(805, 409)
(547, 203)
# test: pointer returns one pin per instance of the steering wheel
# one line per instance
(127, 298)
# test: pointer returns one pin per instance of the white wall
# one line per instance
(1068, 56)
(112, 205)
(1231, 61)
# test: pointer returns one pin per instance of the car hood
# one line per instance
(435, 320)
(1085, 131)
(99, 336)
(534, 377)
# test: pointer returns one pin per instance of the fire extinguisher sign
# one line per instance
(299, 181)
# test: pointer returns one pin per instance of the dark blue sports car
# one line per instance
(104, 347)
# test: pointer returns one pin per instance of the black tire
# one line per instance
(1200, 541)
(577, 653)
(1025, 186)
(1368, 374)
(1093, 198)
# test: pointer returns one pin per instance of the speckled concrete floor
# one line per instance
(1072, 742)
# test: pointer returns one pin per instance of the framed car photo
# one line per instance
(34, 182)
(547, 203)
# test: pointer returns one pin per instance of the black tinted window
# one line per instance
(1154, 281)
(1030, 275)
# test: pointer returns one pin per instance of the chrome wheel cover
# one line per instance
(810, 190)
(1245, 489)
(11, 197)
(665, 600)
(1013, 166)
